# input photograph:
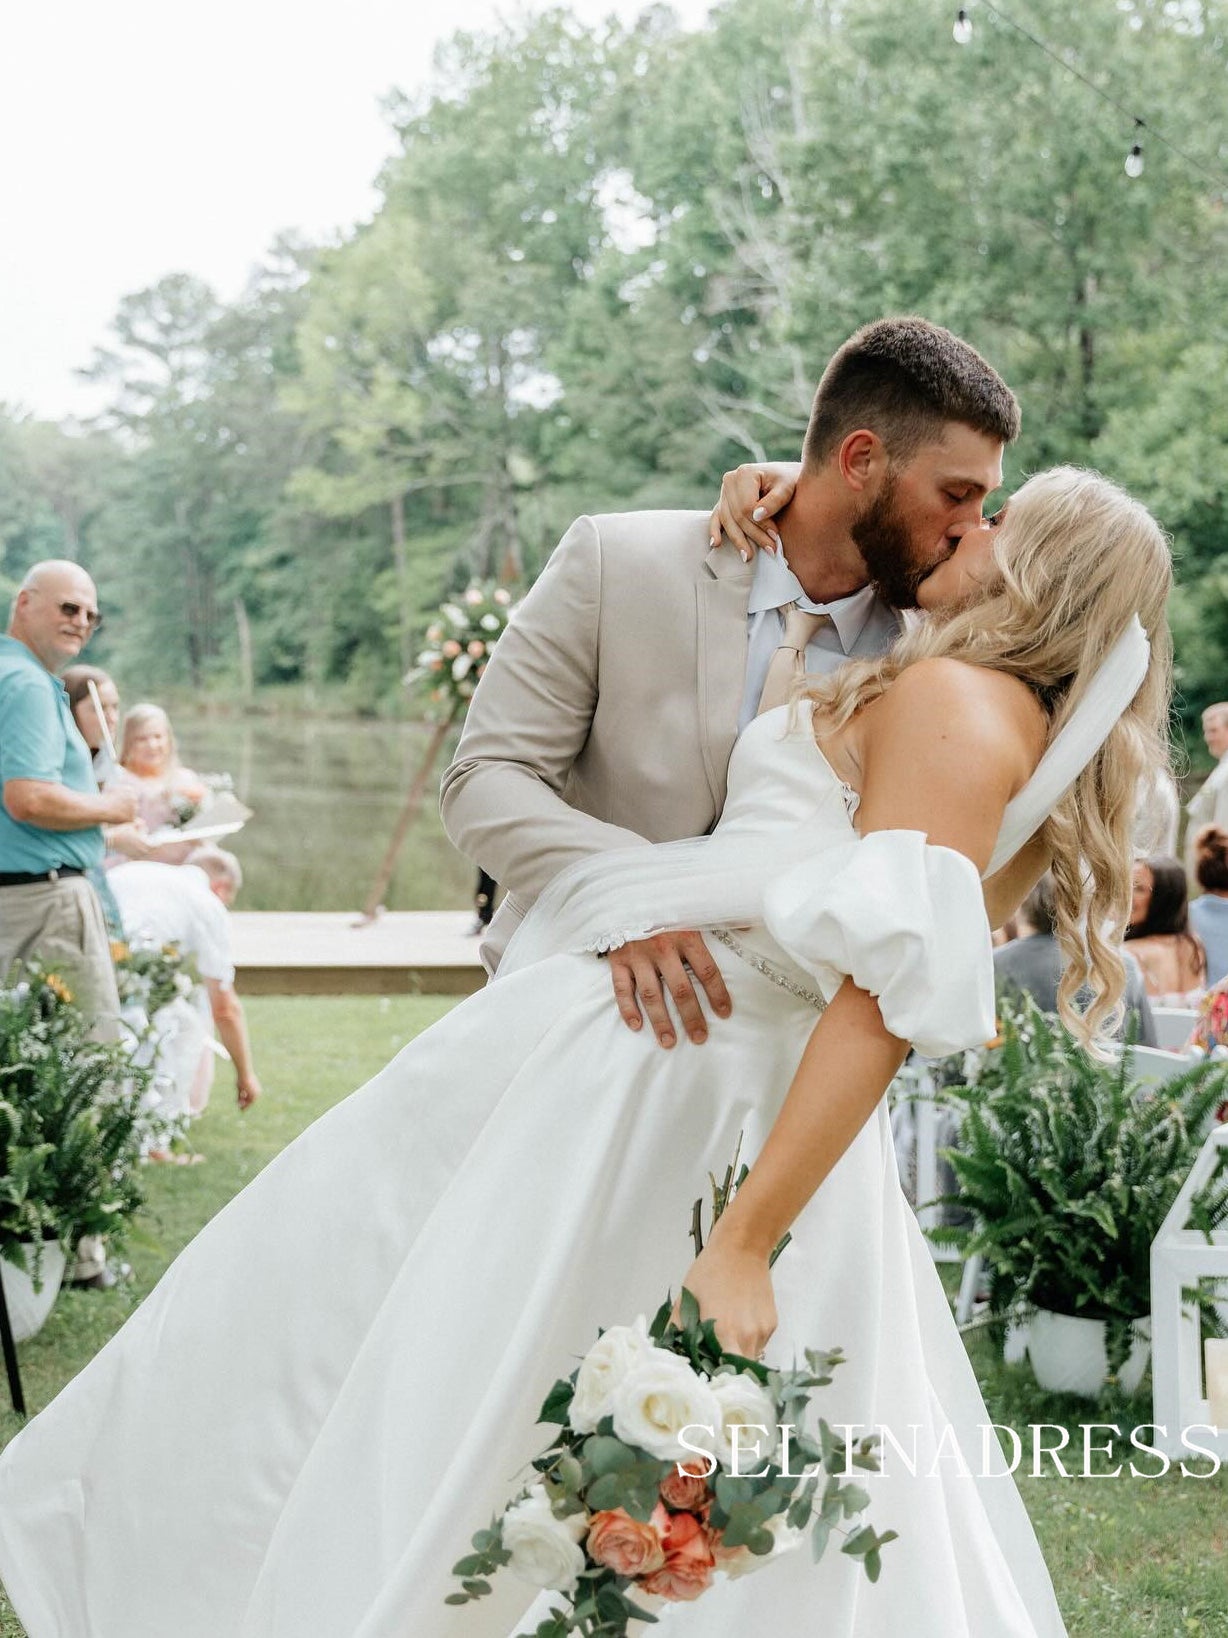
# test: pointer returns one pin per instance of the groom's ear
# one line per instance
(862, 459)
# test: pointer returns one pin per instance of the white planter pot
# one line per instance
(1068, 1354)
(28, 1309)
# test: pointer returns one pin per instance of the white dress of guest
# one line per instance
(173, 904)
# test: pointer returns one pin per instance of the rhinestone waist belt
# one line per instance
(772, 973)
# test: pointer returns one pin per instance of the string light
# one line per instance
(1134, 159)
(962, 33)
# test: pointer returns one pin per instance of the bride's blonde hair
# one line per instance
(1075, 558)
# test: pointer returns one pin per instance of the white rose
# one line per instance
(660, 1399)
(605, 1366)
(741, 1561)
(545, 1550)
(744, 1403)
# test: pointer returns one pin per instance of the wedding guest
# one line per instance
(51, 816)
(1209, 914)
(187, 905)
(1173, 959)
(130, 841)
(149, 762)
(1209, 804)
(77, 680)
(52, 813)
(1032, 964)
(1158, 814)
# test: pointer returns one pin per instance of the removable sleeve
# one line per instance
(905, 921)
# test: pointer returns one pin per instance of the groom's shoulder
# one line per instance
(667, 536)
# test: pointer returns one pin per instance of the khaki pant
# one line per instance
(60, 925)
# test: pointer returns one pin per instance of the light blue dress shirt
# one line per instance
(1209, 919)
(860, 627)
(39, 740)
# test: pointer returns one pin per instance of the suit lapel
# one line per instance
(722, 593)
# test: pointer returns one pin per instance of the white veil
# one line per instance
(717, 881)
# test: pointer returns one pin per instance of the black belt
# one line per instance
(23, 878)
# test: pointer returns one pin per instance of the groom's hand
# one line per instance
(647, 969)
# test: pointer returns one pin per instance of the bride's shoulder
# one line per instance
(979, 709)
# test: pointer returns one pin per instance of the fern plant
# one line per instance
(70, 1123)
(1068, 1167)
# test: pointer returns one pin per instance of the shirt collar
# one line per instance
(775, 584)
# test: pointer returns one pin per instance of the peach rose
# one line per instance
(689, 1561)
(625, 1545)
(686, 1491)
(451, 649)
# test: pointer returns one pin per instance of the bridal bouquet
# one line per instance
(675, 1461)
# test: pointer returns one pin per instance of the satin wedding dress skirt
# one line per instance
(336, 1383)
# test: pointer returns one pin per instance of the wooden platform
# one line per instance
(324, 953)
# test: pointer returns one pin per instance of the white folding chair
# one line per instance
(1173, 1026)
(1151, 1064)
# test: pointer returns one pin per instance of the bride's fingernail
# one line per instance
(744, 553)
(758, 513)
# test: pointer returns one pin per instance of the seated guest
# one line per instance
(77, 680)
(149, 762)
(1209, 914)
(187, 905)
(1173, 960)
(127, 840)
(1033, 965)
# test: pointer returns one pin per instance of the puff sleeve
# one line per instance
(904, 920)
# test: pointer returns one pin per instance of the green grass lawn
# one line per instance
(1134, 1558)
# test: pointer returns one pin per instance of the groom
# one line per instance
(611, 704)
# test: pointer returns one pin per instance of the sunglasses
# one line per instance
(70, 611)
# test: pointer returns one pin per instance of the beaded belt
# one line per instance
(773, 974)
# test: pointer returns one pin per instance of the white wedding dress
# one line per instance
(336, 1383)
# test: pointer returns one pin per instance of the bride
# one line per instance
(336, 1383)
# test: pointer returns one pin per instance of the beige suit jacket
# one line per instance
(609, 709)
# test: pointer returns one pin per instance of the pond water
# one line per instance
(326, 796)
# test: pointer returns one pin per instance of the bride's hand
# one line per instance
(751, 495)
(733, 1287)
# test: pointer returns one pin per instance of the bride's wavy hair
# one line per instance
(1075, 559)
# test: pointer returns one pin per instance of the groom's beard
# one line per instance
(885, 542)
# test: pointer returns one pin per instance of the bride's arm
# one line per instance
(943, 752)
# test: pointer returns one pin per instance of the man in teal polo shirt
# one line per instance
(52, 812)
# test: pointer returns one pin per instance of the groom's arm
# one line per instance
(501, 799)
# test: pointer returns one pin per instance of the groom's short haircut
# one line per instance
(905, 379)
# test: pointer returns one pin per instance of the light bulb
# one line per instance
(962, 32)
(1134, 161)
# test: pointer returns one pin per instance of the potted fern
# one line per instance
(1067, 1168)
(70, 1131)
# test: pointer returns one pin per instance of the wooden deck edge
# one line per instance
(359, 980)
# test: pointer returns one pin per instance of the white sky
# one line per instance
(143, 137)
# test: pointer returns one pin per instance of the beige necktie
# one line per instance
(788, 665)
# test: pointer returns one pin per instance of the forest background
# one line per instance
(610, 262)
